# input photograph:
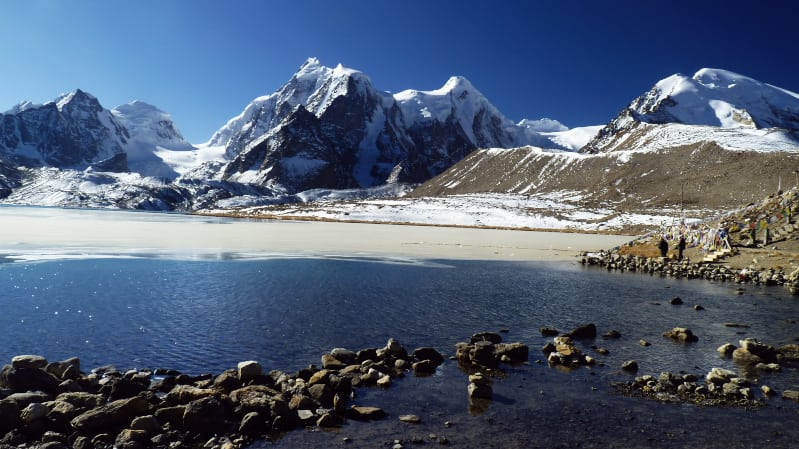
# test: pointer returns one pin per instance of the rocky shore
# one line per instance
(54, 405)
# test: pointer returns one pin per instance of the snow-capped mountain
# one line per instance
(330, 128)
(150, 131)
(74, 131)
(721, 102)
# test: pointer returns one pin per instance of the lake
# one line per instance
(205, 313)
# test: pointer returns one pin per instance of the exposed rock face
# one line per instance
(74, 131)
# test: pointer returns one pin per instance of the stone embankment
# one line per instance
(664, 266)
(54, 405)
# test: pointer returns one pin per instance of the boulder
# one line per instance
(82, 399)
(425, 367)
(681, 334)
(67, 369)
(744, 356)
(131, 435)
(791, 394)
(549, 331)
(428, 353)
(28, 362)
(28, 379)
(322, 394)
(492, 337)
(630, 365)
(584, 331)
(204, 416)
(329, 420)
(253, 398)
(110, 417)
(476, 391)
(329, 362)
(720, 376)
(726, 349)
(366, 413)
(148, 424)
(252, 424)
(183, 394)
(512, 352)
(171, 415)
(345, 355)
(249, 370)
(766, 352)
(23, 399)
(482, 353)
(33, 412)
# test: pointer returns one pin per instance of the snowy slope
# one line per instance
(733, 110)
(151, 132)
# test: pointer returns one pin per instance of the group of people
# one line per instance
(663, 245)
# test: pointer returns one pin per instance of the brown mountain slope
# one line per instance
(699, 176)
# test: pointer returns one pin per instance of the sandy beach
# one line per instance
(31, 231)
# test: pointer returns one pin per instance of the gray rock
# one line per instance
(33, 412)
(480, 391)
(726, 349)
(204, 416)
(681, 334)
(492, 337)
(29, 362)
(630, 365)
(411, 419)
(585, 331)
(344, 355)
(249, 370)
(183, 394)
(719, 376)
(114, 415)
(366, 413)
(428, 353)
(791, 394)
(148, 423)
(512, 352)
(28, 379)
(331, 363)
(252, 424)
(82, 399)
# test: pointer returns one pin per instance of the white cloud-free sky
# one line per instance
(579, 62)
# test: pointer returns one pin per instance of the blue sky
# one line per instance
(579, 62)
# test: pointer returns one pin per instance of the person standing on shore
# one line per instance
(663, 246)
(680, 247)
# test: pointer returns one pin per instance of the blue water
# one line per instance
(205, 316)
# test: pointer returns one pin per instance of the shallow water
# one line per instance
(206, 315)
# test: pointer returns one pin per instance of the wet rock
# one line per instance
(791, 394)
(697, 307)
(719, 376)
(681, 334)
(425, 367)
(644, 343)
(411, 419)
(630, 366)
(345, 355)
(612, 334)
(492, 337)
(676, 301)
(395, 349)
(366, 413)
(511, 352)
(329, 420)
(766, 352)
(480, 391)
(482, 353)
(549, 331)
(726, 349)
(767, 390)
(585, 331)
(428, 353)
(329, 362)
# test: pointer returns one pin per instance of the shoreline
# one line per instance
(48, 230)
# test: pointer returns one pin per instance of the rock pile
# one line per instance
(486, 351)
(686, 269)
(55, 405)
(721, 388)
